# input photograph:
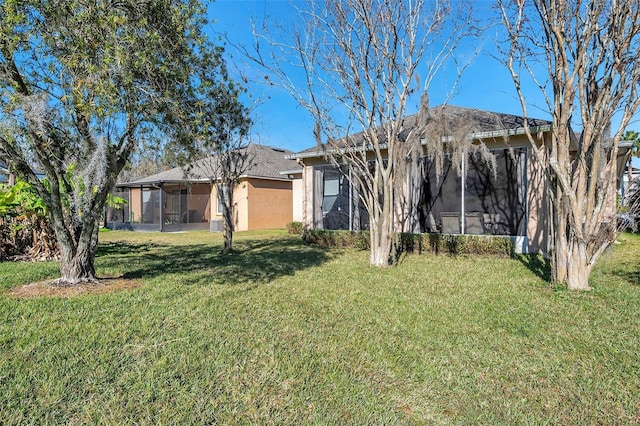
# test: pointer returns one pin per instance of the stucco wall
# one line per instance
(298, 199)
(135, 205)
(270, 203)
(240, 206)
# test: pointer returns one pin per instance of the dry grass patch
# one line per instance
(50, 288)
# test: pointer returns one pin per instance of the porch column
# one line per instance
(162, 198)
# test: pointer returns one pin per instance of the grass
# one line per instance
(283, 333)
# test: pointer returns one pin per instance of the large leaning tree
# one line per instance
(583, 56)
(81, 84)
(364, 65)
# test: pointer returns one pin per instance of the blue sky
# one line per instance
(279, 121)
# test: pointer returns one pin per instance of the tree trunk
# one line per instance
(559, 269)
(227, 213)
(572, 265)
(227, 234)
(381, 239)
(381, 230)
(578, 266)
(77, 261)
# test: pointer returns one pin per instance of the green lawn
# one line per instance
(283, 333)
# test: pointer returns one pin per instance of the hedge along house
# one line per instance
(174, 200)
(506, 196)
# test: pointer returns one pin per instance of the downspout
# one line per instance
(161, 207)
(305, 218)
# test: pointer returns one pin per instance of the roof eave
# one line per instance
(477, 135)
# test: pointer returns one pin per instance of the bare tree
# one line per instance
(361, 62)
(582, 55)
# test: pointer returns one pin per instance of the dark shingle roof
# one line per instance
(268, 163)
(478, 123)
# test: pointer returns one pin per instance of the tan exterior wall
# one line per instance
(135, 205)
(298, 199)
(270, 203)
(240, 203)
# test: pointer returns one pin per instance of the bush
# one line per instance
(341, 239)
(25, 231)
(417, 243)
(294, 228)
(470, 244)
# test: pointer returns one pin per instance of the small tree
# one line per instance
(360, 62)
(220, 134)
(81, 84)
(582, 55)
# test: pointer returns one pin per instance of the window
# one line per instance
(222, 192)
(331, 192)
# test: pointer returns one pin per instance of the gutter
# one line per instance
(444, 139)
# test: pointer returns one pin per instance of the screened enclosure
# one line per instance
(166, 208)
(490, 200)
(337, 204)
(120, 212)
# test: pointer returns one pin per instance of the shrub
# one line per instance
(294, 228)
(417, 243)
(342, 239)
(25, 231)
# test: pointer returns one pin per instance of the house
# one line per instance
(509, 200)
(176, 200)
(4, 173)
(628, 186)
(6, 177)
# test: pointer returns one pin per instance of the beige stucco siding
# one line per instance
(307, 200)
(270, 203)
(135, 205)
(298, 199)
(259, 204)
(239, 205)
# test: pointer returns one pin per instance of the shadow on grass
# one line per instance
(631, 273)
(253, 261)
(537, 264)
